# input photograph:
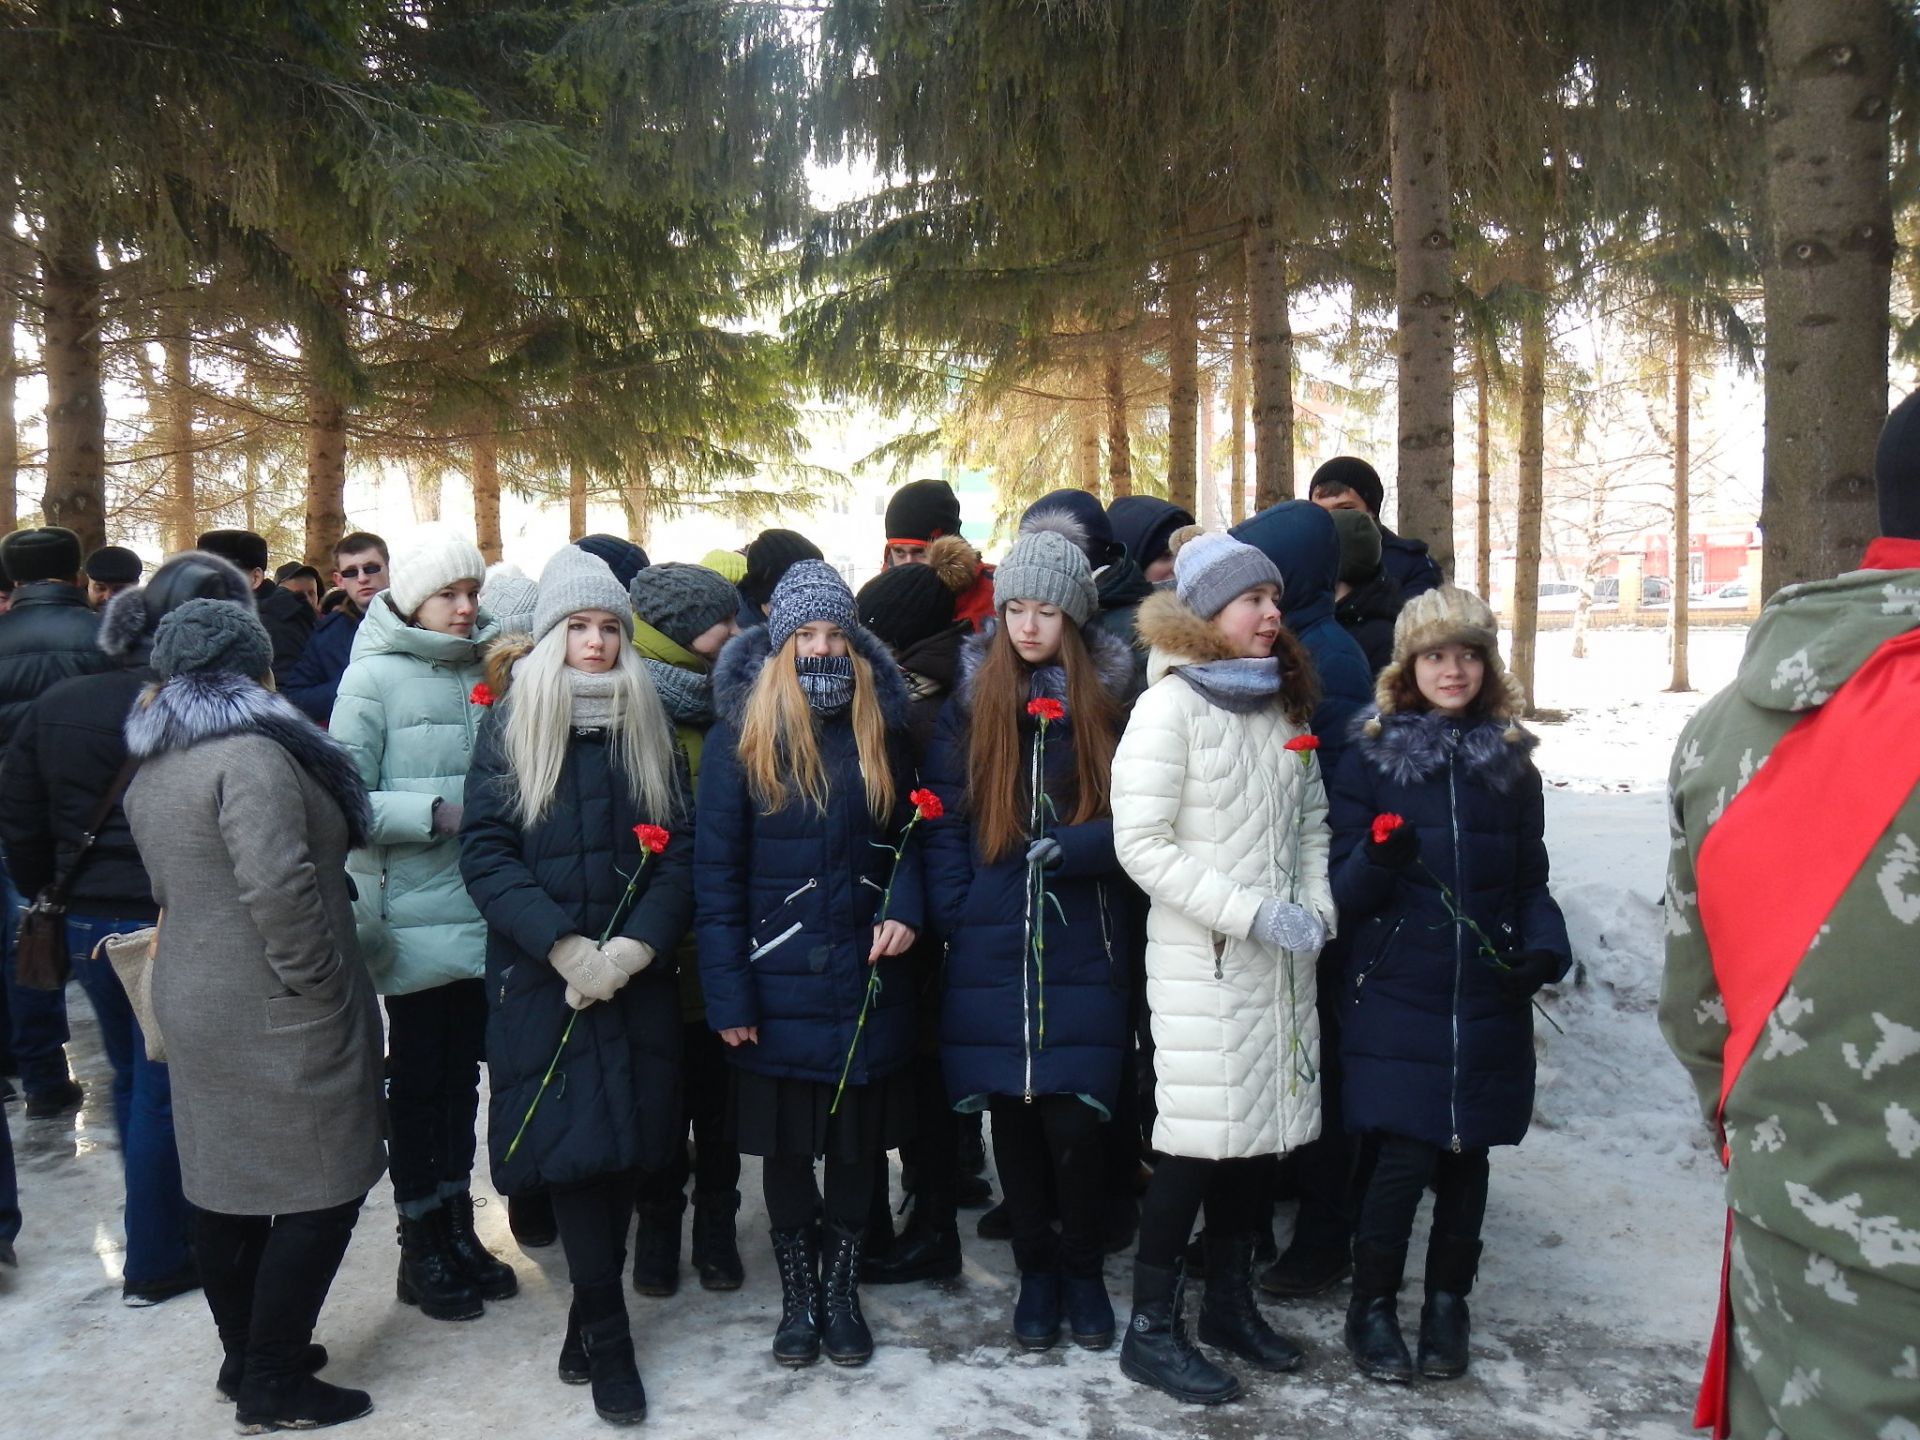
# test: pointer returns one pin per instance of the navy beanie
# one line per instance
(769, 556)
(1896, 471)
(623, 557)
(1085, 511)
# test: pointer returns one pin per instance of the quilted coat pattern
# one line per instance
(1212, 815)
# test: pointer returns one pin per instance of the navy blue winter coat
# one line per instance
(1300, 538)
(1408, 564)
(991, 1042)
(313, 680)
(1431, 1047)
(786, 902)
(614, 1100)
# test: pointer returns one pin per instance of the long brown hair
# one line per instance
(997, 760)
(780, 746)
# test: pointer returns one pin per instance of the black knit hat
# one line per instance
(113, 565)
(905, 605)
(921, 512)
(1085, 510)
(682, 602)
(49, 553)
(242, 547)
(623, 557)
(770, 555)
(1350, 472)
(1896, 471)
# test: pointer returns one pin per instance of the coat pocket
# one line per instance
(1377, 959)
(297, 1012)
(774, 930)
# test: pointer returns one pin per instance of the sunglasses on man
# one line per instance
(370, 569)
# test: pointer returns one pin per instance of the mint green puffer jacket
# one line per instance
(405, 714)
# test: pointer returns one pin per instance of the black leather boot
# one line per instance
(921, 1251)
(618, 1396)
(1157, 1352)
(1444, 1324)
(797, 1253)
(429, 1277)
(656, 1247)
(530, 1218)
(1229, 1318)
(573, 1367)
(233, 1369)
(1373, 1320)
(716, 1249)
(483, 1270)
(843, 1329)
(1303, 1271)
(298, 1402)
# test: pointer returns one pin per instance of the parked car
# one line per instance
(1656, 592)
(1734, 595)
(1558, 595)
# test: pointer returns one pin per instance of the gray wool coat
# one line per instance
(244, 811)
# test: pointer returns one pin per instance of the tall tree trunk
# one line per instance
(426, 490)
(1208, 513)
(576, 499)
(1827, 269)
(1119, 442)
(1533, 431)
(1237, 409)
(1086, 446)
(637, 496)
(1422, 196)
(1271, 330)
(326, 471)
(1681, 569)
(9, 372)
(1483, 474)
(250, 495)
(486, 492)
(1183, 388)
(183, 509)
(76, 494)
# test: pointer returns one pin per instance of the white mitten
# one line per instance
(630, 957)
(580, 963)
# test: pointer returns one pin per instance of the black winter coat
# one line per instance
(614, 1100)
(48, 636)
(1407, 563)
(1433, 1049)
(1010, 1026)
(289, 620)
(1367, 612)
(786, 902)
(931, 668)
(1121, 587)
(65, 755)
(313, 680)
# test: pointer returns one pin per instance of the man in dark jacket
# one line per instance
(288, 617)
(360, 568)
(47, 636)
(1366, 602)
(1347, 482)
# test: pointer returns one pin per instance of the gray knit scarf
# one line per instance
(687, 694)
(592, 698)
(827, 681)
(1240, 685)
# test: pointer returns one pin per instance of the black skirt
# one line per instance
(784, 1118)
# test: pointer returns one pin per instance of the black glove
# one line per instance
(1399, 850)
(1527, 972)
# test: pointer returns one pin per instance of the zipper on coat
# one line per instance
(1378, 956)
(775, 943)
(383, 894)
(1460, 899)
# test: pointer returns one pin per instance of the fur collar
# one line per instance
(1177, 635)
(1408, 749)
(189, 710)
(745, 655)
(1112, 660)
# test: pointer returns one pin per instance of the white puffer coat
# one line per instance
(1211, 815)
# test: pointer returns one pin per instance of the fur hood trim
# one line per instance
(954, 561)
(1176, 634)
(1408, 749)
(747, 654)
(505, 653)
(189, 710)
(1506, 699)
(128, 622)
(1112, 660)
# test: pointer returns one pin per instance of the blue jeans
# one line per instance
(36, 1019)
(157, 1216)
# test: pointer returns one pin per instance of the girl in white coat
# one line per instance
(1220, 815)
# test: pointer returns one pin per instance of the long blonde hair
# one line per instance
(540, 716)
(779, 743)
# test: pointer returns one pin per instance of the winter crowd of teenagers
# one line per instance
(1173, 854)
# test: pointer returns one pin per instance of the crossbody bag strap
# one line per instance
(57, 892)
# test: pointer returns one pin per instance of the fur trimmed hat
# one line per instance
(1451, 616)
(241, 547)
(51, 552)
(130, 618)
(1048, 563)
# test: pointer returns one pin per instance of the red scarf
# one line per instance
(1813, 793)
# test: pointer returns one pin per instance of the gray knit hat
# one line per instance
(1046, 564)
(508, 595)
(810, 590)
(1211, 569)
(682, 602)
(575, 581)
(212, 637)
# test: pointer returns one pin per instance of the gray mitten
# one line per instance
(580, 963)
(1044, 852)
(1284, 925)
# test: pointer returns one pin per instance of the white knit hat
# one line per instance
(430, 561)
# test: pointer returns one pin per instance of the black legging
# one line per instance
(436, 1039)
(793, 1199)
(1057, 1137)
(593, 1218)
(1233, 1191)
(265, 1278)
(714, 1163)
(1402, 1169)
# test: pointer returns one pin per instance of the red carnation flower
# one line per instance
(651, 837)
(1303, 743)
(1044, 709)
(481, 694)
(1385, 825)
(927, 804)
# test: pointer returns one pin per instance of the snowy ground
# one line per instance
(1591, 1313)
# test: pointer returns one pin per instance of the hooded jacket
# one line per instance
(1212, 815)
(405, 714)
(1408, 564)
(1367, 612)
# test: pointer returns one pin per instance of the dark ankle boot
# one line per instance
(1157, 1352)
(656, 1247)
(1089, 1310)
(573, 1365)
(233, 1369)
(1444, 1324)
(797, 1253)
(483, 1270)
(1303, 1271)
(843, 1329)
(1373, 1320)
(921, 1251)
(530, 1218)
(428, 1275)
(298, 1402)
(618, 1396)
(1229, 1318)
(716, 1249)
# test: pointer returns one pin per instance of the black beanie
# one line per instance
(239, 547)
(1896, 471)
(905, 605)
(1350, 472)
(770, 555)
(1084, 510)
(623, 557)
(49, 553)
(921, 512)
